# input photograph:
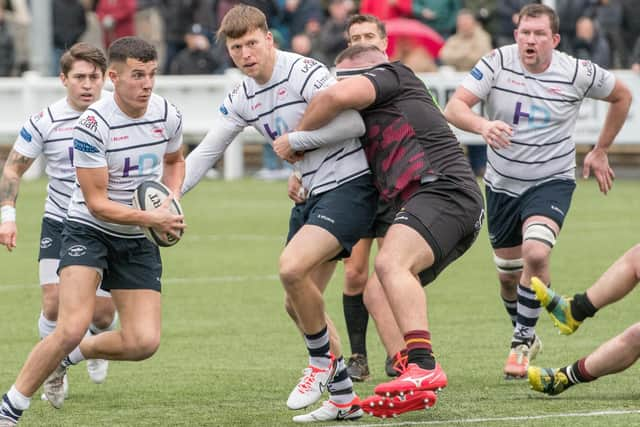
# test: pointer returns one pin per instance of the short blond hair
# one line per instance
(240, 20)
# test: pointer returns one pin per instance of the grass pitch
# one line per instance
(230, 355)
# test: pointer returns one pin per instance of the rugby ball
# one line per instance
(150, 195)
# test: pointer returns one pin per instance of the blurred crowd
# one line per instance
(424, 34)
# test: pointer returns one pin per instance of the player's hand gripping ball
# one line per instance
(150, 195)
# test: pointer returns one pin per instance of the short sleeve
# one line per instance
(385, 80)
(175, 129)
(230, 111)
(308, 76)
(594, 81)
(480, 79)
(89, 137)
(30, 140)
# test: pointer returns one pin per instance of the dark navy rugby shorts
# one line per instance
(506, 214)
(50, 238)
(346, 212)
(126, 263)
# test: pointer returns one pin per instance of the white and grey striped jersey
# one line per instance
(132, 150)
(274, 109)
(542, 110)
(49, 133)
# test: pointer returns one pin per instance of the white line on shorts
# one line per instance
(500, 419)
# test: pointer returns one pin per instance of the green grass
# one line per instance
(230, 355)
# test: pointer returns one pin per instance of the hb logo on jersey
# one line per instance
(537, 116)
(144, 164)
(281, 128)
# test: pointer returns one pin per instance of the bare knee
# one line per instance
(50, 302)
(291, 272)
(142, 346)
(631, 337)
(385, 267)
(69, 335)
(633, 258)
(355, 278)
(104, 313)
(536, 257)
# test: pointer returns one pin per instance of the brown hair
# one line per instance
(131, 47)
(361, 19)
(352, 52)
(241, 19)
(83, 52)
(535, 10)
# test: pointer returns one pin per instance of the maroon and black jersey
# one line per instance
(408, 139)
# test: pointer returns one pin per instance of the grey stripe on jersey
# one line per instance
(275, 108)
(132, 150)
(540, 108)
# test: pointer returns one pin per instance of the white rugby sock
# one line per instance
(45, 326)
(18, 400)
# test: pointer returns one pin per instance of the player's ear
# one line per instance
(556, 40)
(112, 72)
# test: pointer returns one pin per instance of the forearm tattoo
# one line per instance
(9, 183)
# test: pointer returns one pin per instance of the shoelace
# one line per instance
(308, 379)
(400, 362)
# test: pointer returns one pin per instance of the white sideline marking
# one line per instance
(386, 423)
(169, 280)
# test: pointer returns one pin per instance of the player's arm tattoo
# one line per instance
(14, 168)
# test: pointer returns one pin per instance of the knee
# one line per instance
(536, 256)
(50, 305)
(633, 258)
(384, 267)
(69, 335)
(355, 278)
(632, 334)
(142, 347)
(290, 272)
(104, 314)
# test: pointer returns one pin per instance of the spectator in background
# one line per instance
(437, 14)
(569, 11)
(470, 43)
(116, 19)
(198, 57)
(485, 13)
(386, 9)
(507, 11)
(590, 44)
(332, 39)
(608, 15)
(18, 18)
(179, 16)
(461, 51)
(149, 25)
(301, 16)
(69, 23)
(7, 52)
(630, 23)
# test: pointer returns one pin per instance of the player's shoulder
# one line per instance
(504, 57)
(161, 108)
(57, 111)
(566, 63)
(299, 64)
